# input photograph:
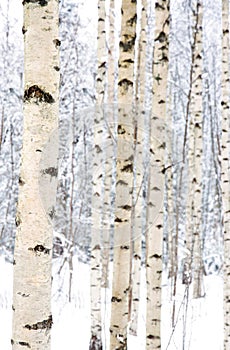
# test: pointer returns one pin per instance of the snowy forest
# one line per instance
(114, 174)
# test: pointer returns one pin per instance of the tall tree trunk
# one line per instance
(193, 265)
(137, 200)
(32, 318)
(124, 181)
(225, 171)
(154, 235)
(196, 116)
(96, 257)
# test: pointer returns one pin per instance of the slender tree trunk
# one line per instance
(154, 235)
(225, 171)
(196, 178)
(101, 53)
(96, 257)
(193, 263)
(137, 200)
(124, 181)
(32, 318)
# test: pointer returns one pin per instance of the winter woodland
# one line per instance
(114, 174)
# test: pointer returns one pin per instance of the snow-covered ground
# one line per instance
(203, 328)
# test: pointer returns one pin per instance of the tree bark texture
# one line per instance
(32, 318)
(154, 234)
(124, 180)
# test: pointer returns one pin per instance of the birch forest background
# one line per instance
(138, 205)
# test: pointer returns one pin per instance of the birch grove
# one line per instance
(136, 244)
(32, 318)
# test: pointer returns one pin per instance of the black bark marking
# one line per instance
(116, 299)
(158, 6)
(124, 247)
(24, 30)
(52, 171)
(121, 182)
(137, 257)
(57, 43)
(132, 20)
(125, 84)
(128, 43)
(45, 324)
(35, 93)
(56, 68)
(129, 60)
(127, 168)
(23, 295)
(38, 150)
(159, 226)
(39, 248)
(151, 336)
(161, 37)
(21, 181)
(156, 256)
(23, 343)
(39, 2)
(126, 207)
(102, 65)
(118, 220)
(120, 130)
(18, 220)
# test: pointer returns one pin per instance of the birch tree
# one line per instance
(225, 167)
(96, 257)
(137, 198)
(193, 264)
(32, 318)
(154, 235)
(124, 180)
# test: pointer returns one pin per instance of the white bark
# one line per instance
(137, 200)
(193, 263)
(32, 319)
(96, 256)
(154, 235)
(124, 181)
(225, 171)
(101, 53)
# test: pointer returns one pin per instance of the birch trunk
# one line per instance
(32, 318)
(225, 167)
(137, 199)
(193, 263)
(154, 235)
(196, 178)
(109, 155)
(101, 53)
(96, 257)
(124, 181)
